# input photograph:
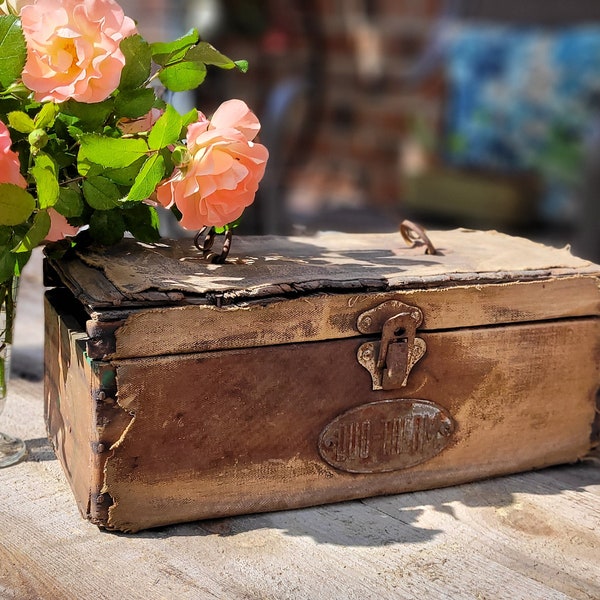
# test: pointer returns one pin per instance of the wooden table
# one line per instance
(529, 536)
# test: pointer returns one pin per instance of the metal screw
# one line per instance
(100, 448)
(366, 353)
(100, 499)
(366, 322)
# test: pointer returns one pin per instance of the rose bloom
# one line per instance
(73, 48)
(59, 227)
(9, 161)
(225, 168)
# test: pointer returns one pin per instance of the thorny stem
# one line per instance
(72, 180)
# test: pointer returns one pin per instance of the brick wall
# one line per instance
(340, 141)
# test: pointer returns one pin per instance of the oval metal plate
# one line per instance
(386, 436)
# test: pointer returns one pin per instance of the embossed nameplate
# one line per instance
(386, 436)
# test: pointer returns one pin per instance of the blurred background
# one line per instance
(473, 113)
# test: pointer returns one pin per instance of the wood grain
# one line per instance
(325, 316)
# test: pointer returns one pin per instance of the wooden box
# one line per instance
(313, 370)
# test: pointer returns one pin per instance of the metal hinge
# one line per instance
(390, 359)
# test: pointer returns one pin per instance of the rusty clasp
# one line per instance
(390, 359)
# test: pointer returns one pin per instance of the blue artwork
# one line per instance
(522, 98)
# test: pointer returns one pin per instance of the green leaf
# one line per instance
(209, 55)
(63, 155)
(150, 175)
(7, 264)
(86, 167)
(183, 76)
(169, 166)
(18, 231)
(166, 130)
(36, 234)
(44, 173)
(107, 226)
(75, 132)
(189, 118)
(21, 121)
(82, 219)
(91, 116)
(16, 205)
(22, 260)
(134, 104)
(6, 234)
(12, 50)
(165, 53)
(11, 264)
(112, 152)
(229, 226)
(143, 222)
(101, 193)
(125, 176)
(160, 104)
(138, 62)
(45, 118)
(242, 65)
(70, 202)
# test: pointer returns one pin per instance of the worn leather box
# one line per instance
(313, 370)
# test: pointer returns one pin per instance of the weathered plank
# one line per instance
(324, 317)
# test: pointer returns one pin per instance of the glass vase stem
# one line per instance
(12, 449)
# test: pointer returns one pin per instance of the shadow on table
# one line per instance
(397, 519)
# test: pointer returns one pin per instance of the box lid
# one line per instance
(134, 273)
(316, 287)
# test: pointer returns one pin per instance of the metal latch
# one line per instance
(390, 360)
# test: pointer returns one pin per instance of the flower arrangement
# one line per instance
(87, 142)
(86, 139)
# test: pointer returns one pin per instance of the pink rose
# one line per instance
(73, 48)
(10, 168)
(59, 227)
(224, 170)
